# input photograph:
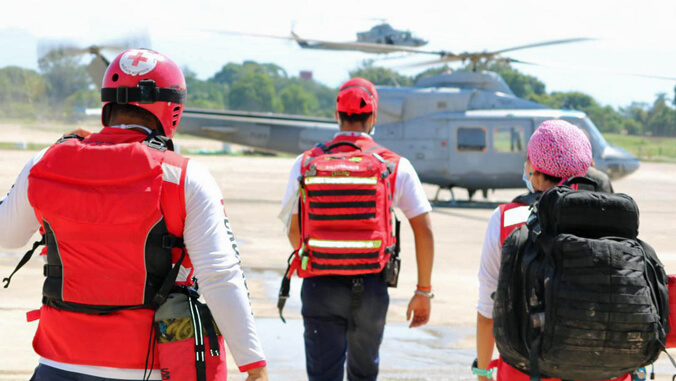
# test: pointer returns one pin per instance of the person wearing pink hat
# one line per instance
(557, 151)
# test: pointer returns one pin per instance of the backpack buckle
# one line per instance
(312, 171)
(122, 95)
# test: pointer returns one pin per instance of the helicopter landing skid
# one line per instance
(465, 204)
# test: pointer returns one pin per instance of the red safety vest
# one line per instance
(513, 216)
(113, 210)
(346, 217)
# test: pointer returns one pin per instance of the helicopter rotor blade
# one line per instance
(245, 34)
(591, 69)
(309, 43)
(494, 55)
(436, 62)
(543, 43)
(393, 57)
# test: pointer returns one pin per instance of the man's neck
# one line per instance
(353, 129)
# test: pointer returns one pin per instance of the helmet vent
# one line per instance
(176, 109)
(115, 77)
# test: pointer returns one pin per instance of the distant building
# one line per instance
(306, 75)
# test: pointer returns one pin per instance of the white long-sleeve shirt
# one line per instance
(213, 255)
(489, 268)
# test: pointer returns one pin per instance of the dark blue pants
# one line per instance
(335, 330)
(47, 373)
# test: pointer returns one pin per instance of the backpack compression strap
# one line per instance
(26, 257)
(29, 254)
(285, 287)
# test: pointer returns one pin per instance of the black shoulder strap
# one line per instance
(26, 257)
(527, 198)
(68, 137)
(582, 180)
(159, 142)
(397, 232)
(339, 144)
(169, 242)
(285, 289)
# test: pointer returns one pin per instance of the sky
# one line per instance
(631, 36)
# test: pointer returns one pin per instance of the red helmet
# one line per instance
(149, 80)
(357, 96)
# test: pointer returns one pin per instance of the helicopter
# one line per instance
(380, 39)
(383, 33)
(459, 130)
(463, 129)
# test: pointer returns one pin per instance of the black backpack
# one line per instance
(579, 296)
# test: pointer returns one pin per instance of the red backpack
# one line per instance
(347, 221)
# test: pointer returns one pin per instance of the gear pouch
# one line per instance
(190, 346)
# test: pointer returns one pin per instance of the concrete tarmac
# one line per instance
(253, 188)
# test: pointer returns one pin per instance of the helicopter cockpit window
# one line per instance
(508, 139)
(597, 140)
(472, 139)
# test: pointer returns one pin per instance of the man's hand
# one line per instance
(420, 306)
(258, 374)
(81, 132)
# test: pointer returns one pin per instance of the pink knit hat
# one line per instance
(558, 148)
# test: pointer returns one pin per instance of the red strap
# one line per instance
(493, 364)
(32, 315)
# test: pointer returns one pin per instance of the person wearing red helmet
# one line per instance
(346, 275)
(125, 220)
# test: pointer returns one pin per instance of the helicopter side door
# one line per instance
(489, 153)
(424, 142)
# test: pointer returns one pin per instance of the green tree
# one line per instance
(21, 85)
(254, 91)
(205, 94)
(660, 119)
(75, 105)
(22, 93)
(231, 72)
(296, 100)
(380, 76)
(64, 75)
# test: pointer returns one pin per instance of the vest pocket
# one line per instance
(330, 252)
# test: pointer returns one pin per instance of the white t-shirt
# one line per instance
(491, 255)
(213, 255)
(409, 195)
